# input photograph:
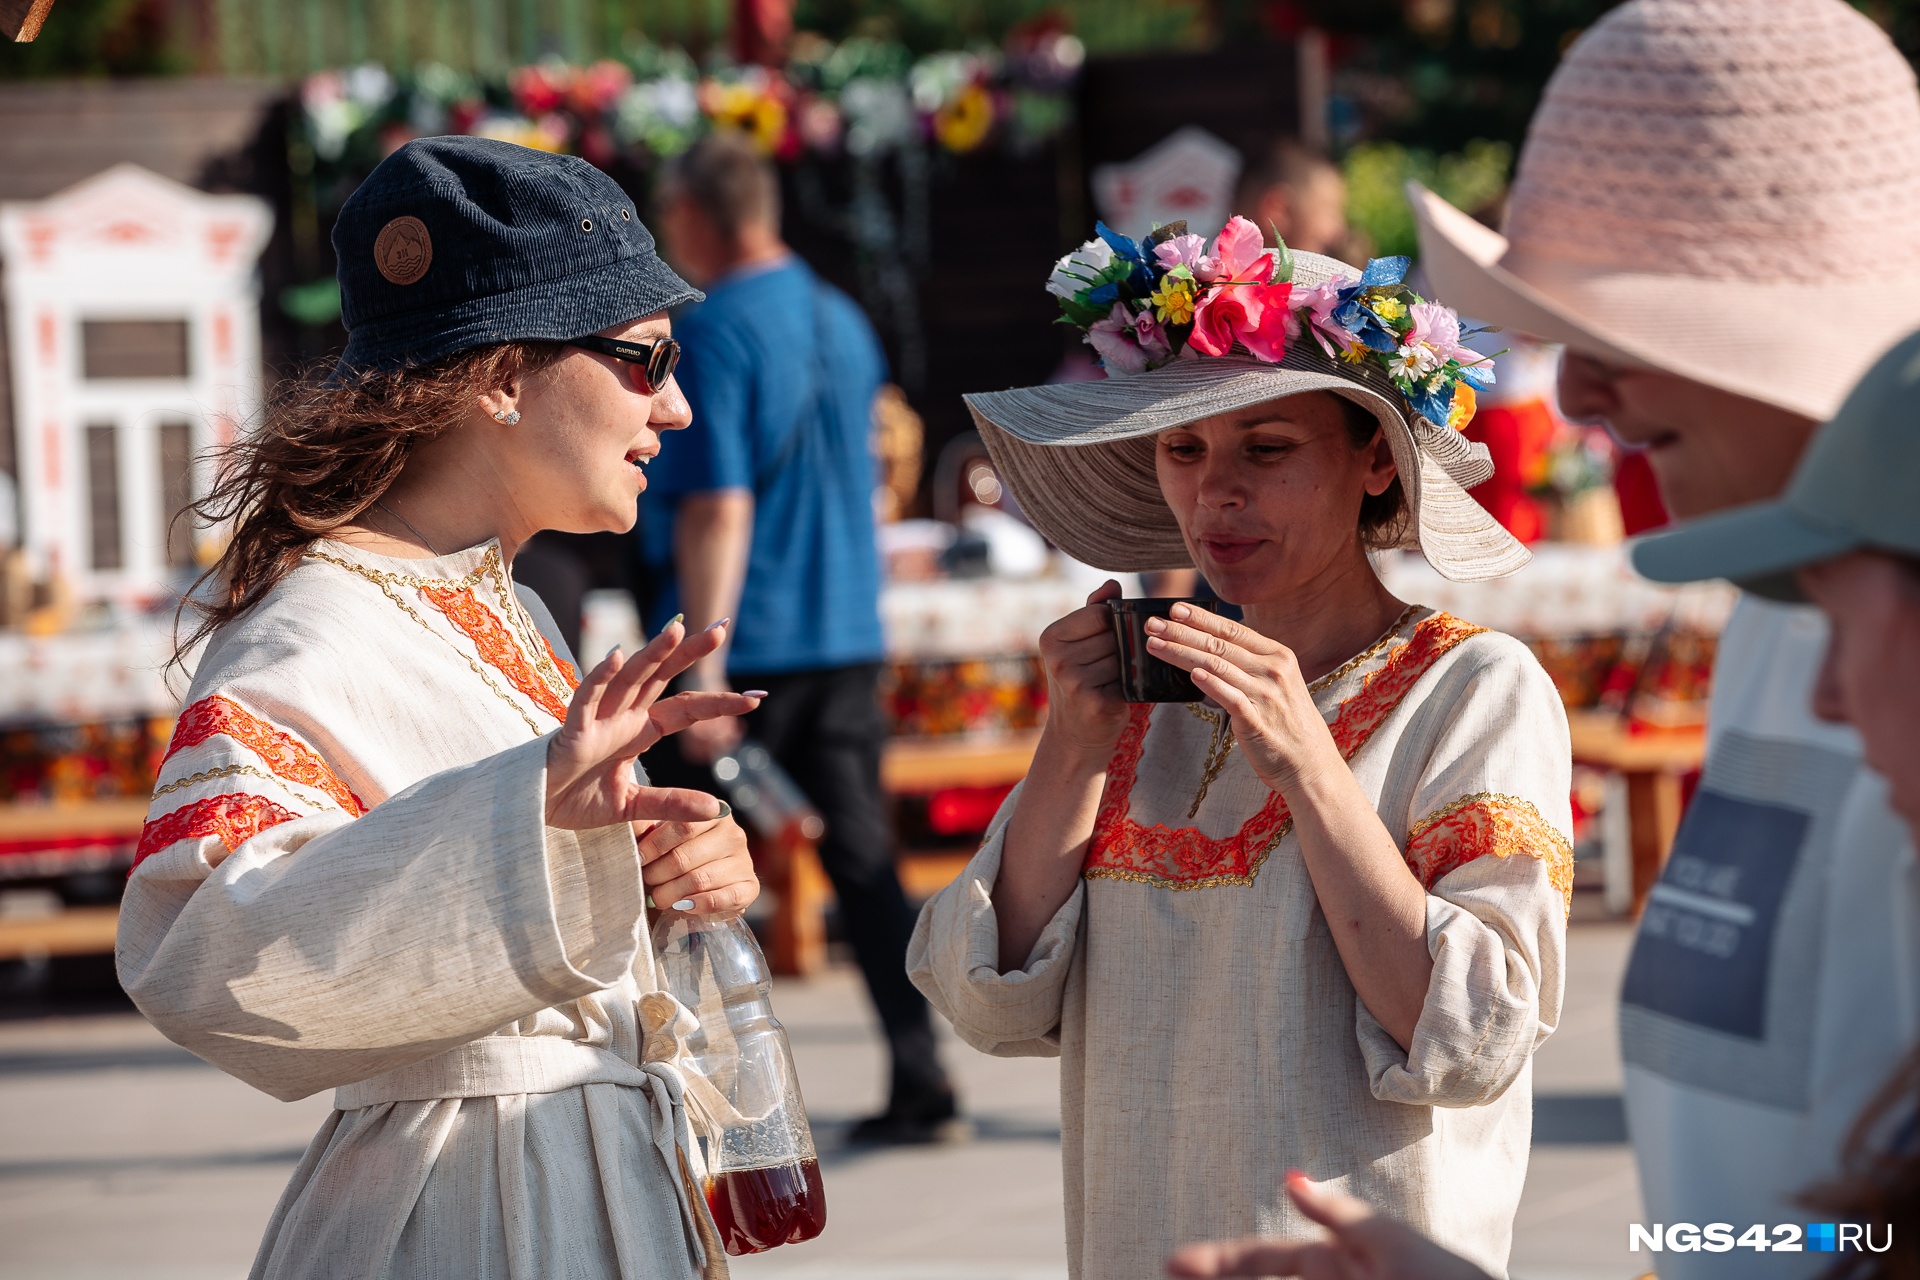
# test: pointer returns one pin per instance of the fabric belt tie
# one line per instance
(547, 1064)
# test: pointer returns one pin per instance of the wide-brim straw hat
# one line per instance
(1079, 456)
(1721, 189)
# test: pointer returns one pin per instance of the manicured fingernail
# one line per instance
(715, 626)
(1155, 640)
(726, 811)
(676, 618)
(1156, 624)
(618, 652)
(685, 904)
(754, 693)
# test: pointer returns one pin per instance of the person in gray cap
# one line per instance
(392, 850)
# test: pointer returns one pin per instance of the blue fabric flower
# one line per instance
(1434, 406)
(1383, 271)
(1122, 245)
(1477, 376)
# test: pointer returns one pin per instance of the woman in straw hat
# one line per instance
(1717, 210)
(1315, 920)
(392, 850)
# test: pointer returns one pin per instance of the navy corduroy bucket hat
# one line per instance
(454, 243)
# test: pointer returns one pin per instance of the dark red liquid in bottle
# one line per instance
(757, 1209)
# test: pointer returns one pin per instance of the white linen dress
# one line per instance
(346, 882)
(1210, 1037)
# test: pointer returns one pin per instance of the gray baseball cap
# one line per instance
(1857, 487)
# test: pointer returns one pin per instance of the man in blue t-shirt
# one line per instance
(763, 511)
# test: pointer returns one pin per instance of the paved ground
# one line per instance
(122, 1156)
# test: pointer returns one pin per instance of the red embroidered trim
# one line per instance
(566, 669)
(495, 643)
(1488, 824)
(1182, 857)
(285, 755)
(235, 818)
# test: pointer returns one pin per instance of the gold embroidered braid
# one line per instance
(386, 583)
(1218, 750)
(465, 582)
(246, 770)
(526, 635)
(1365, 655)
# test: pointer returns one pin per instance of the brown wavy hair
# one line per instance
(323, 454)
(1879, 1180)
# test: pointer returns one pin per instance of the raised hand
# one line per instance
(616, 714)
(1257, 682)
(1360, 1245)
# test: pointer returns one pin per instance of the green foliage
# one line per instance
(99, 38)
(1378, 172)
(927, 25)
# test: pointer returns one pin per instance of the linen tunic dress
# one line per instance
(346, 882)
(1210, 1037)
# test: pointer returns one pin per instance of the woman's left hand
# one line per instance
(1257, 682)
(701, 867)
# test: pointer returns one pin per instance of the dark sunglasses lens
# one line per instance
(660, 365)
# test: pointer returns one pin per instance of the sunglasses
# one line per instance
(658, 357)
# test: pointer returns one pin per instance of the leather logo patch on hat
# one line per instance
(403, 251)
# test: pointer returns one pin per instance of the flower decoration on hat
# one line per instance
(1174, 296)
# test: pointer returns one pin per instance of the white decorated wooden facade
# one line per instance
(133, 328)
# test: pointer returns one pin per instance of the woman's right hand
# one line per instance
(1360, 1244)
(616, 714)
(1082, 660)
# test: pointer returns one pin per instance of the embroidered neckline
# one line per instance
(1182, 857)
(1367, 654)
(1220, 750)
(389, 584)
(498, 646)
(489, 560)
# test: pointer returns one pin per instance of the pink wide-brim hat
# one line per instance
(1726, 190)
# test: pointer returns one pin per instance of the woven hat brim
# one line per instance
(1079, 458)
(1762, 339)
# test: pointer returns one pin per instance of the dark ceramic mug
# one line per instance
(1143, 677)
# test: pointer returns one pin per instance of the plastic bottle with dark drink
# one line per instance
(743, 1095)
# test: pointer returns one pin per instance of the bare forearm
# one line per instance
(712, 533)
(1046, 844)
(1374, 906)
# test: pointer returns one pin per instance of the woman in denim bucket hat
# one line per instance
(392, 850)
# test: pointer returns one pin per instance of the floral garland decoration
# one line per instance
(1172, 296)
(860, 97)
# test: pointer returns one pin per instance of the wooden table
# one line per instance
(42, 840)
(1652, 766)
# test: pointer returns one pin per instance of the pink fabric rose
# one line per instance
(1253, 314)
(1240, 304)
(1113, 338)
